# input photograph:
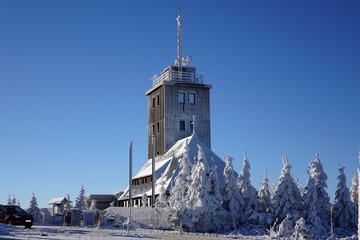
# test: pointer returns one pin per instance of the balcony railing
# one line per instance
(178, 76)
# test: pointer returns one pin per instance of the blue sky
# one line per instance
(73, 77)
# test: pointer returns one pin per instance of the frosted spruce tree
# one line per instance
(144, 199)
(81, 200)
(265, 203)
(162, 200)
(354, 189)
(232, 200)
(344, 212)
(287, 200)
(199, 194)
(316, 200)
(34, 209)
(178, 199)
(215, 210)
(249, 212)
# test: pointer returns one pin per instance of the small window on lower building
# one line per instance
(191, 126)
(182, 125)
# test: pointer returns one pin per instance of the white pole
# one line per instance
(153, 171)
(358, 172)
(130, 184)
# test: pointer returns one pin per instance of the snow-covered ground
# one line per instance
(61, 233)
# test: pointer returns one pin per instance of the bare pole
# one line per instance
(153, 171)
(358, 172)
(130, 183)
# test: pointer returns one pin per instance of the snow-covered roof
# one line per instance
(58, 200)
(167, 166)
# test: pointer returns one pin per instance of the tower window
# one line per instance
(181, 97)
(153, 102)
(158, 127)
(158, 100)
(192, 98)
(182, 126)
(191, 126)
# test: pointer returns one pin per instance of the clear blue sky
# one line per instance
(73, 77)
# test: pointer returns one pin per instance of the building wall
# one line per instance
(165, 113)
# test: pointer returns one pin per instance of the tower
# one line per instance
(177, 97)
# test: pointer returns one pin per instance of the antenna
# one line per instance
(179, 39)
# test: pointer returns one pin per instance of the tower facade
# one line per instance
(178, 104)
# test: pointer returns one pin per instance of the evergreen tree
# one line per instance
(81, 200)
(162, 201)
(287, 200)
(231, 196)
(198, 192)
(354, 189)
(265, 203)
(34, 209)
(316, 199)
(215, 210)
(344, 209)
(179, 192)
(68, 202)
(250, 210)
(9, 202)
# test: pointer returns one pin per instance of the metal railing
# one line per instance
(178, 76)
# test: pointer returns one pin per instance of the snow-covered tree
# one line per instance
(287, 201)
(302, 231)
(232, 200)
(215, 210)
(354, 189)
(250, 210)
(34, 209)
(344, 212)
(316, 199)
(9, 202)
(81, 199)
(265, 203)
(162, 200)
(199, 193)
(179, 192)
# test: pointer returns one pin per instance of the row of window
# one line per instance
(182, 98)
(182, 126)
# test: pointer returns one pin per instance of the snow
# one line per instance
(58, 200)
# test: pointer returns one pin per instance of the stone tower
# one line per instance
(178, 104)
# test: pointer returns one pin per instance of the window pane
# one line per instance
(192, 98)
(182, 125)
(181, 97)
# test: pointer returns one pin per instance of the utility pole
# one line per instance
(153, 171)
(130, 185)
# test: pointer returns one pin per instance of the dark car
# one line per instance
(15, 215)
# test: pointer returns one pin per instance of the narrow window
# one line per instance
(153, 102)
(181, 97)
(153, 129)
(158, 127)
(192, 98)
(182, 125)
(158, 100)
(191, 126)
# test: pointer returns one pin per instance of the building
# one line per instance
(178, 118)
(177, 97)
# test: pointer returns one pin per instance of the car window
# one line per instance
(19, 210)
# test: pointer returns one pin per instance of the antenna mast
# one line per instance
(179, 39)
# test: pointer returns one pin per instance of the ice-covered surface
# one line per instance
(86, 233)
